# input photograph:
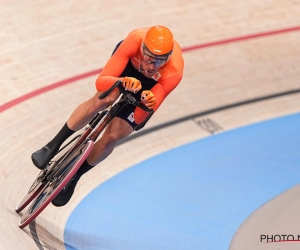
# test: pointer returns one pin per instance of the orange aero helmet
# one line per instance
(159, 40)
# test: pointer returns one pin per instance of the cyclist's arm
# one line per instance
(116, 64)
(161, 90)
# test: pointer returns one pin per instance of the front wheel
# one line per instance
(50, 190)
(32, 192)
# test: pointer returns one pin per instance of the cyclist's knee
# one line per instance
(117, 130)
(96, 104)
(111, 138)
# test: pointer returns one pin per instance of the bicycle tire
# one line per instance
(52, 189)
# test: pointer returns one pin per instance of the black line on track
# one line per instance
(34, 235)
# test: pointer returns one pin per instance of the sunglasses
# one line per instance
(150, 58)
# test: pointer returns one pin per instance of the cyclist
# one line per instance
(149, 63)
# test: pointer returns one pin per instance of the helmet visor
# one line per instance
(157, 60)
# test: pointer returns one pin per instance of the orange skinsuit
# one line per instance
(167, 77)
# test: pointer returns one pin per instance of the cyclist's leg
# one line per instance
(78, 119)
(115, 131)
(87, 110)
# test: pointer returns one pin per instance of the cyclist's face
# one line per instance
(150, 65)
(151, 62)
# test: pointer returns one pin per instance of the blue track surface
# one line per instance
(193, 197)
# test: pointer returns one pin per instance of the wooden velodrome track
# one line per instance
(234, 51)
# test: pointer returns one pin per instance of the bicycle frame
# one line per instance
(95, 128)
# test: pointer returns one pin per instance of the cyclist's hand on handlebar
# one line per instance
(131, 84)
(148, 99)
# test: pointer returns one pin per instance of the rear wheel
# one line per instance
(67, 169)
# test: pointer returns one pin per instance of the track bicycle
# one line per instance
(63, 167)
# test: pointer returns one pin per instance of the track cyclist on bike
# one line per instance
(149, 63)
